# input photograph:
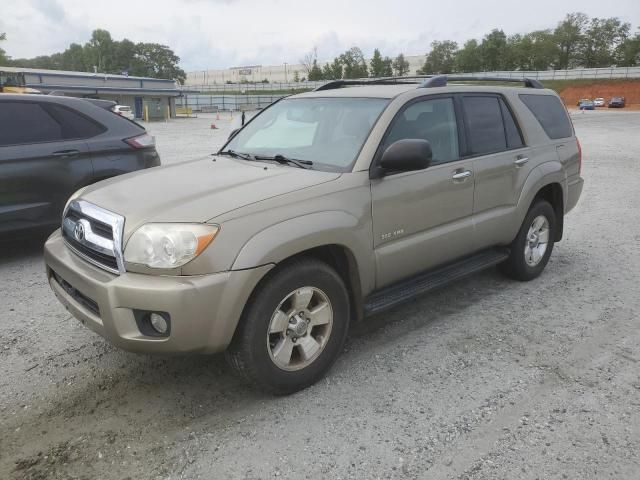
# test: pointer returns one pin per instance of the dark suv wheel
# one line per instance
(293, 328)
(532, 247)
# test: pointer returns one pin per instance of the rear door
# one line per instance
(500, 162)
(423, 219)
(43, 160)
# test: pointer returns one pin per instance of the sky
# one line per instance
(211, 34)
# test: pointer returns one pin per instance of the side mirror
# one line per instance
(407, 155)
(233, 133)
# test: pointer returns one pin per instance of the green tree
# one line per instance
(629, 52)
(441, 58)
(468, 57)
(387, 67)
(354, 64)
(400, 66)
(376, 64)
(315, 73)
(333, 70)
(158, 61)
(493, 50)
(4, 59)
(569, 35)
(602, 41)
(296, 77)
(99, 51)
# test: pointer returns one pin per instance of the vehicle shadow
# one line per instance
(16, 249)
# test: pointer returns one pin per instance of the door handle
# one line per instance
(521, 161)
(461, 175)
(66, 153)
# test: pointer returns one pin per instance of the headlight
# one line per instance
(168, 245)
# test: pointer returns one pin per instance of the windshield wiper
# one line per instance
(291, 161)
(234, 154)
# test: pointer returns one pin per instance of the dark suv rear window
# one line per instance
(551, 114)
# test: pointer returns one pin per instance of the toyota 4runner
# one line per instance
(326, 207)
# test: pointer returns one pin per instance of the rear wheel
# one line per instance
(293, 328)
(532, 247)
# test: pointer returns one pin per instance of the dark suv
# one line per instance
(51, 146)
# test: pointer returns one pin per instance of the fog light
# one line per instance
(158, 323)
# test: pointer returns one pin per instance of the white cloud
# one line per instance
(223, 33)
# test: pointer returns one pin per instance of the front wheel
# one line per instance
(532, 247)
(293, 328)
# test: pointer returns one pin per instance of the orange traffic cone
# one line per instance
(213, 126)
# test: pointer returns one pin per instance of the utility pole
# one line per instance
(285, 73)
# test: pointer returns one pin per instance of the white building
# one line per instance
(272, 73)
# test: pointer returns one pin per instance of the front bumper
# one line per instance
(204, 309)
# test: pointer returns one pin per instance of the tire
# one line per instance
(301, 302)
(527, 260)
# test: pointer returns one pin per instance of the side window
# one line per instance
(550, 113)
(486, 129)
(433, 120)
(26, 122)
(74, 125)
(514, 139)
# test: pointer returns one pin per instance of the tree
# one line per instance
(387, 69)
(99, 51)
(354, 64)
(468, 57)
(315, 73)
(376, 64)
(3, 55)
(441, 58)
(569, 34)
(309, 59)
(601, 42)
(493, 50)
(296, 77)
(400, 66)
(629, 52)
(333, 70)
(159, 61)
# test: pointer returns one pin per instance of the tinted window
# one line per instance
(550, 113)
(432, 120)
(514, 139)
(27, 123)
(74, 125)
(486, 129)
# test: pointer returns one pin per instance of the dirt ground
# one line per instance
(630, 89)
(486, 379)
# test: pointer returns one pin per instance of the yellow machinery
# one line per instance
(13, 82)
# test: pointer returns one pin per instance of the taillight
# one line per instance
(579, 156)
(141, 141)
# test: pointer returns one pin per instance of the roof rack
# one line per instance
(441, 81)
(417, 79)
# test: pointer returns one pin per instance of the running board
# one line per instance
(400, 292)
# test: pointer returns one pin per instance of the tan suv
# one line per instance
(326, 207)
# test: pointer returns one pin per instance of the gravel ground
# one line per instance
(486, 379)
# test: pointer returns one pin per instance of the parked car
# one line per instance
(125, 111)
(587, 105)
(617, 102)
(52, 146)
(599, 102)
(583, 100)
(326, 207)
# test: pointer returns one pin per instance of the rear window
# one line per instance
(550, 113)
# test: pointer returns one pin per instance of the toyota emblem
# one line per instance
(78, 231)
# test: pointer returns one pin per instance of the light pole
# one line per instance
(285, 72)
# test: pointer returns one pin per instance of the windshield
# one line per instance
(326, 131)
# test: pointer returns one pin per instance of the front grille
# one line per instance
(95, 234)
(78, 296)
(97, 226)
(102, 258)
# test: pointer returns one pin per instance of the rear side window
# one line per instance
(74, 125)
(551, 114)
(30, 122)
(484, 121)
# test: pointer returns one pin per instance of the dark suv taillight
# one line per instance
(141, 141)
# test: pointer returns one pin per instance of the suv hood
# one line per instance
(197, 191)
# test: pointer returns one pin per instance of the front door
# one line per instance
(423, 219)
